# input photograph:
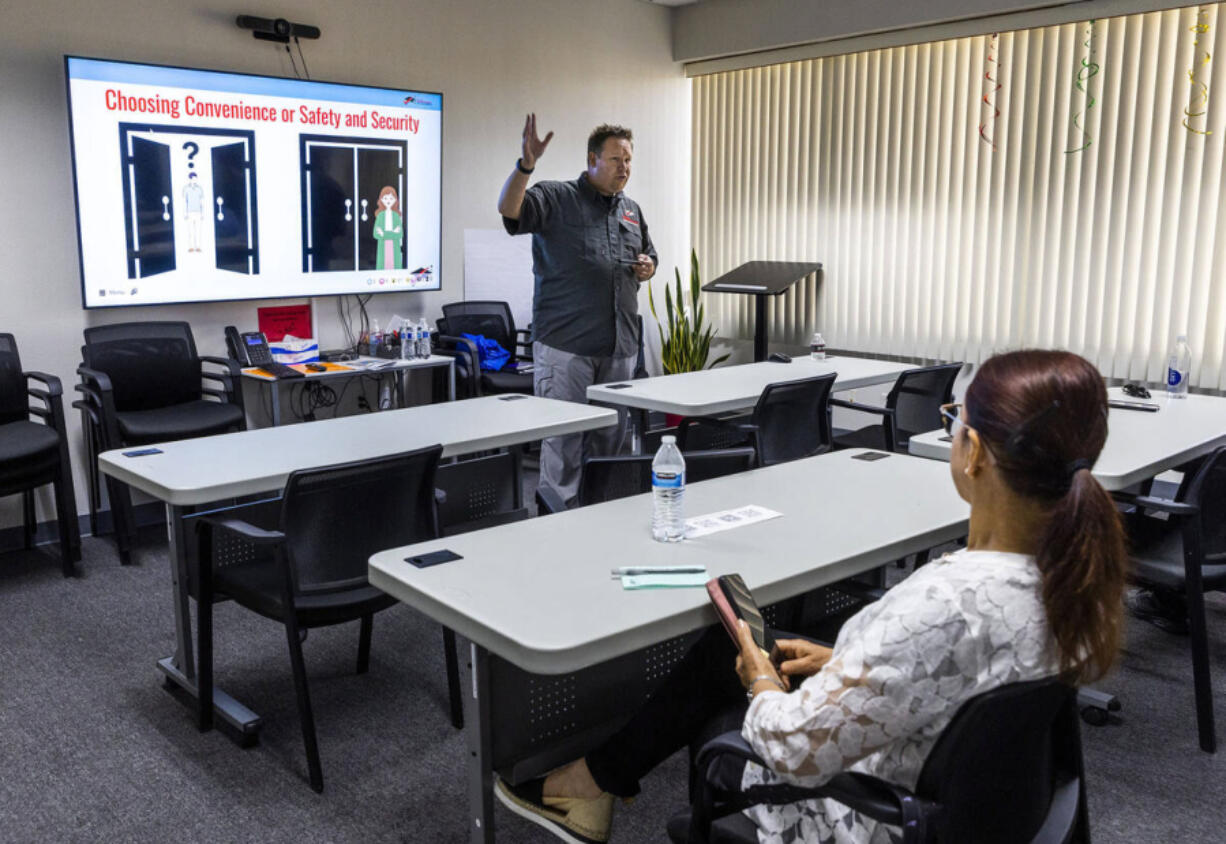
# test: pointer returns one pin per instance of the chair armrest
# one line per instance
(1166, 505)
(549, 502)
(96, 387)
(54, 386)
(99, 380)
(523, 339)
(862, 408)
(868, 795)
(90, 397)
(230, 379)
(248, 531)
(228, 364)
(726, 744)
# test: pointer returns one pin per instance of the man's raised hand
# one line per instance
(534, 147)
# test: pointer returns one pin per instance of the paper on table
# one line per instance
(727, 519)
(664, 581)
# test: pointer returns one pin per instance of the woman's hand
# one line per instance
(752, 663)
(799, 657)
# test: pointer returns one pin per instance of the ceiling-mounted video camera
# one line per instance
(276, 29)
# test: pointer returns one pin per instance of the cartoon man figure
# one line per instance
(193, 204)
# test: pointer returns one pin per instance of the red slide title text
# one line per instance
(190, 106)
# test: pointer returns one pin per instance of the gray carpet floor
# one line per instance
(94, 749)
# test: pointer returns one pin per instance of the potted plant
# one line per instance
(686, 345)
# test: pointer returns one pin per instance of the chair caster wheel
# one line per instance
(1094, 716)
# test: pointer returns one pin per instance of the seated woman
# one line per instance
(1036, 592)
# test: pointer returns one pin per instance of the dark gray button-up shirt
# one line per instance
(583, 249)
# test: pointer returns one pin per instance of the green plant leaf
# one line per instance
(685, 345)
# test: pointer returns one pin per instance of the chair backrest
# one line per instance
(793, 419)
(996, 766)
(478, 490)
(150, 364)
(489, 319)
(336, 517)
(1206, 534)
(916, 398)
(14, 401)
(607, 478)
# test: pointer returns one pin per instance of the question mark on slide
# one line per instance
(192, 147)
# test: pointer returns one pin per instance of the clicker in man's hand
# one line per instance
(644, 267)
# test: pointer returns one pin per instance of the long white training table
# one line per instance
(538, 593)
(728, 388)
(1140, 444)
(190, 473)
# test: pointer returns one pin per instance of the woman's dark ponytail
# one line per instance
(1044, 417)
(1083, 559)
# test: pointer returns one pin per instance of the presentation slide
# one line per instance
(201, 186)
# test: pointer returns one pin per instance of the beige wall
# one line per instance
(575, 62)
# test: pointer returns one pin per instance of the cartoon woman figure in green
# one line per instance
(389, 231)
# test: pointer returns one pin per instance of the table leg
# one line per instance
(477, 724)
(450, 379)
(276, 404)
(638, 426)
(176, 536)
(180, 669)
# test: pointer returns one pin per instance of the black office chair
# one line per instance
(911, 407)
(141, 383)
(1008, 768)
(1191, 561)
(791, 420)
(312, 571)
(492, 320)
(33, 454)
(608, 478)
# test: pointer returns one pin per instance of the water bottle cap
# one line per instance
(668, 439)
(1182, 338)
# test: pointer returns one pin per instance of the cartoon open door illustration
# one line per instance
(234, 213)
(157, 166)
(341, 180)
(148, 206)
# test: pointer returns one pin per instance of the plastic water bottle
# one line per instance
(423, 342)
(376, 337)
(410, 340)
(668, 492)
(817, 347)
(1178, 368)
(406, 342)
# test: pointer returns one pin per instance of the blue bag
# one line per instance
(493, 357)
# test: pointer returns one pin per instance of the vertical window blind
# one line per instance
(1053, 187)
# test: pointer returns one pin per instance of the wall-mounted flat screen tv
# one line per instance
(201, 186)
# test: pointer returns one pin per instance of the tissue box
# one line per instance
(295, 350)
